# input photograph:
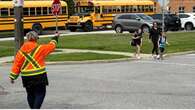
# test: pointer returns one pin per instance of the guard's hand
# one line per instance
(12, 81)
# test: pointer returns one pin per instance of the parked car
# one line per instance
(131, 22)
(187, 21)
(171, 21)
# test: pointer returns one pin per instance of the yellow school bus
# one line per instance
(92, 14)
(37, 15)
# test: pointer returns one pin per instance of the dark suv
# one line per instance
(172, 22)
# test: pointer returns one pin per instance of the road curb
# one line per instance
(106, 61)
(179, 53)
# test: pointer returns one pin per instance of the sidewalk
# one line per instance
(10, 58)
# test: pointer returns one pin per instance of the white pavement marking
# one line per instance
(166, 63)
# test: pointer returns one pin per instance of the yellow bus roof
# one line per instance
(116, 2)
(9, 4)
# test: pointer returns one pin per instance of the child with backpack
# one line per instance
(162, 44)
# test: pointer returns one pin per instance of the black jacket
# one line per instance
(155, 34)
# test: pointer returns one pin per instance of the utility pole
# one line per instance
(19, 28)
(163, 16)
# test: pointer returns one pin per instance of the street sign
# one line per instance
(56, 7)
(18, 3)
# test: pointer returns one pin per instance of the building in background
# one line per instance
(181, 6)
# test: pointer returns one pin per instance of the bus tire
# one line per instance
(88, 26)
(118, 29)
(37, 28)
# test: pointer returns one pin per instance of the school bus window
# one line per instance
(134, 8)
(118, 9)
(104, 9)
(143, 8)
(97, 9)
(126, 8)
(138, 8)
(11, 11)
(44, 10)
(109, 10)
(38, 11)
(25, 11)
(32, 11)
(60, 11)
(4, 11)
(146, 8)
(151, 8)
(130, 8)
(63, 10)
(113, 9)
(122, 8)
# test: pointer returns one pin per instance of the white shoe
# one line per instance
(138, 57)
(158, 56)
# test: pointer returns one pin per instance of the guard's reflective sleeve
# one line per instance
(13, 76)
(18, 62)
(50, 47)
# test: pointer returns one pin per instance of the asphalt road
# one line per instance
(131, 84)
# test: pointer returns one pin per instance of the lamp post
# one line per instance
(18, 20)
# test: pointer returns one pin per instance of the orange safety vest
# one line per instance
(30, 59)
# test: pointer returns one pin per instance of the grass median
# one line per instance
(82, 57)
(179, 42)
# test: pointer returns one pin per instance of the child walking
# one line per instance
(162, 44)
(137, 42)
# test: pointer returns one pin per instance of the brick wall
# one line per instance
(187, 4)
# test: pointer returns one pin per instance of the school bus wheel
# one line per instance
(37, 28)
(88, 26)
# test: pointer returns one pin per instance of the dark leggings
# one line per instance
(35, 96)
(155, 48)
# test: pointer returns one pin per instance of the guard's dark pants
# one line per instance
(35, 96)
(155, 47)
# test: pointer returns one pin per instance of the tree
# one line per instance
(70, 6)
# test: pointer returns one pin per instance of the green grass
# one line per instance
(179, 42)
(82, 57)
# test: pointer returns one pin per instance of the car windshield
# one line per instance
(145, 17)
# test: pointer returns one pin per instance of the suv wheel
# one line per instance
(188, 27)
(145, 29)
(119, 29)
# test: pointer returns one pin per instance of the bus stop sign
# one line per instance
(56, 6)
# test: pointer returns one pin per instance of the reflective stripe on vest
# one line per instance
(29, 59)
(33, 72)
(26, 61)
